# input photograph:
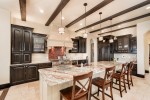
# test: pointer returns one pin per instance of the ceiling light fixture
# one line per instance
(85, 34)
(148, 7)
(61, 30)
(41, 11)
(92, 28)
(111, 39)
(63, 18)
(100, 38)
(81, 24)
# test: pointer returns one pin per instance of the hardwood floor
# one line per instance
(30, 91)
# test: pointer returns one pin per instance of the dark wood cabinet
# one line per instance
(23, 73)
(21, 44)
(123, 44)
(79, 45)
(75, 48)
(39, 43)
(133, 45)
(17, 74)
(82, 45)
(31, 72)
(26, 72)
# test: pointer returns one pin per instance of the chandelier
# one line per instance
(100, 38)
(111, 38)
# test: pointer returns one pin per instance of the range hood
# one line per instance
(54, 43)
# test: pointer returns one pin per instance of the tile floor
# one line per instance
(30, 91)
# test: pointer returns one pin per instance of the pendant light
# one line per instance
(100, 38)
(111, 39)
(61, 30)
(85, 33)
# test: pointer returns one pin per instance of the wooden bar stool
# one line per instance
(75, 92)
(121, 78)
(128, 74)
(104, 83)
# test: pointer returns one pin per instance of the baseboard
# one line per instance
(3, 86)
(146, 71)
(141, 76)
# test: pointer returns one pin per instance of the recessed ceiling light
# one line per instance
(148, 7)
(119, 26)
(81, 24)
(92, 28)
(63, 18)
(102, 31)
(42, 11)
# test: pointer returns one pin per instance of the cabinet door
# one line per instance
(16, 39)
(31, 73)
(16, 58)
(26, 57)
(27, 40)
(17, 75)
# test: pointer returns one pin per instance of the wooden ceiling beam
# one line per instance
(117, 14)
(23, 9)
(126, 21)
(117, 29)
(94, 9)
(59, 8)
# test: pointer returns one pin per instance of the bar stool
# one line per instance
(121, 78)
(75, 92)
(104, 83)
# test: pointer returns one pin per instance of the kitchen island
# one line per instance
(52, 80)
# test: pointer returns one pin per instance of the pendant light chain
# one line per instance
(61, 18)
(85, 4)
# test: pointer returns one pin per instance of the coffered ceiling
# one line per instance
(39, 11)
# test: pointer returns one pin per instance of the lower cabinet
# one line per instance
(17, 74)
(26, 72)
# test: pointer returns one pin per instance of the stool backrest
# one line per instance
(109, 75)
(85, 86)
(130, 67)
(124, 69)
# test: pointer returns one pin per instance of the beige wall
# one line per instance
(5, 46)
(142, 47)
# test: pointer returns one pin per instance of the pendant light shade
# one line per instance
(111, 40)
(61, 30)
(103, 40)
(115, 38)
(100, 38)
(85, 34)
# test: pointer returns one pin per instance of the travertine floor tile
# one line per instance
(30, 91)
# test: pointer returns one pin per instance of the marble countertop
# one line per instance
(60, 74)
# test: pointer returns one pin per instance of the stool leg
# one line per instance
(111, 91)
(98, 92)
(120, 87)
(128, 81)
(131, 80)
(103, 93)
(60, 97)
(124, 84)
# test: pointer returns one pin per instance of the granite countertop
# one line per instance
(60, 74)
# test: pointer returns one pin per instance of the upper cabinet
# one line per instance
(124, 44)
(79, 45)
(133, 44)
(39, 43)
(21, 44)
